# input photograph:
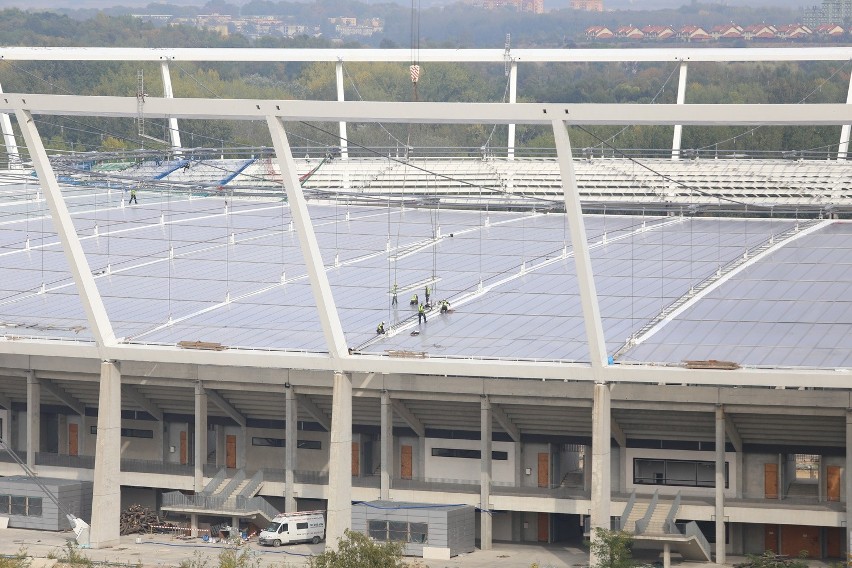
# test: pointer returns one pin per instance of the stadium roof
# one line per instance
(181, 268)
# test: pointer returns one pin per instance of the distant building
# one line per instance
(629, 32)
(534, 6)
(658, 32)
(831, 11)
(587, 5)
(599, 32)
(727, 32)
(693, 34)
(759, 32)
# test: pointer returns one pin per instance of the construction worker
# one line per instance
(394, 291)
(421, 314)
(445, 306)
(133, 196)
(381, 328)
(427, 293)
(414, 300)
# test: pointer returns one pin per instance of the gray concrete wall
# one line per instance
(753, 465)
(754, 536)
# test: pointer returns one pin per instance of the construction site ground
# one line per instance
(157, 550)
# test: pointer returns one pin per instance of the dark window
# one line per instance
(268, 442)
(398, 531)
(300, 526)
(283, 528)
(93, 430)
(4, 504)
(136, 433)
(378, 530)
(34, 507)
(684, 473)
(419, 533)
(19, 505)
(469, 454)
(282, 442)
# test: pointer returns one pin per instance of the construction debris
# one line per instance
(138, 519)
(712, 364)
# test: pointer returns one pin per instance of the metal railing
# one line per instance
(235, 481)
(62, 460)
(150, 466)
(214, 483)
(252, 504)
(252, 486)
(176, 499)
(642, 523)
(669, 526)
(628, 508)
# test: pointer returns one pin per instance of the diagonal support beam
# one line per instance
(733, 434)
(618, 434)
(315, 411)
(409, 418)
(328, 316)
(506, 423)
(5, 402)
(83, 279)
(580, 245)
(146, 403)
(65, 397)
(227, 407)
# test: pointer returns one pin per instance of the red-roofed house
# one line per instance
(693, 33)
(629, 32)
(599, 32)
(658, 32)
(727, 31)
(759, 31)
(830, 30)
(794, 31)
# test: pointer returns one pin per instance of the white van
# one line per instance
(287, 528)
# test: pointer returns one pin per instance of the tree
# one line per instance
(356, 550)
(611, 549)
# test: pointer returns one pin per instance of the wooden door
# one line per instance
(356, 459)
(405, 462)
(797, 540)
(544, 470)
(73, 439)
(231, 451)
(833, 542)
(832, 482)
(770, 480)
(770, 538)
(544, 526)
(183, 451)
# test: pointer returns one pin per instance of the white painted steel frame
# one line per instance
(274, 111)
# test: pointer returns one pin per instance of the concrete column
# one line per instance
(513, 98)
(106, 501)
(14, 427)
(200, 435)
(720, 485)
(681, 98)
(519, 463)
(667, 555)
(387, 467)
(164, 439)
(344, 145)
(290, 434)
(421, 455)
(485, 530)
(623, 470)
(340, 461)
(33, 418)
(235, 524)
(847, 474)
(193, 524)
(843, 146)
(601, 467)
(242, 446)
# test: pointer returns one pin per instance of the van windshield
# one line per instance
(273, 527)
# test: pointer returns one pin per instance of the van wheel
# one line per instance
(315, 540)
(276, 543)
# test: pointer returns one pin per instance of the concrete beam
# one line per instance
(409, 418)
(315, 411)
(618, 434)
(506, 423)
(733, 433)
(147, 405)
(227, 407)
(64, 397)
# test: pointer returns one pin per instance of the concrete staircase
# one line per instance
(652, 525)
(233, 497)
(803, 490)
